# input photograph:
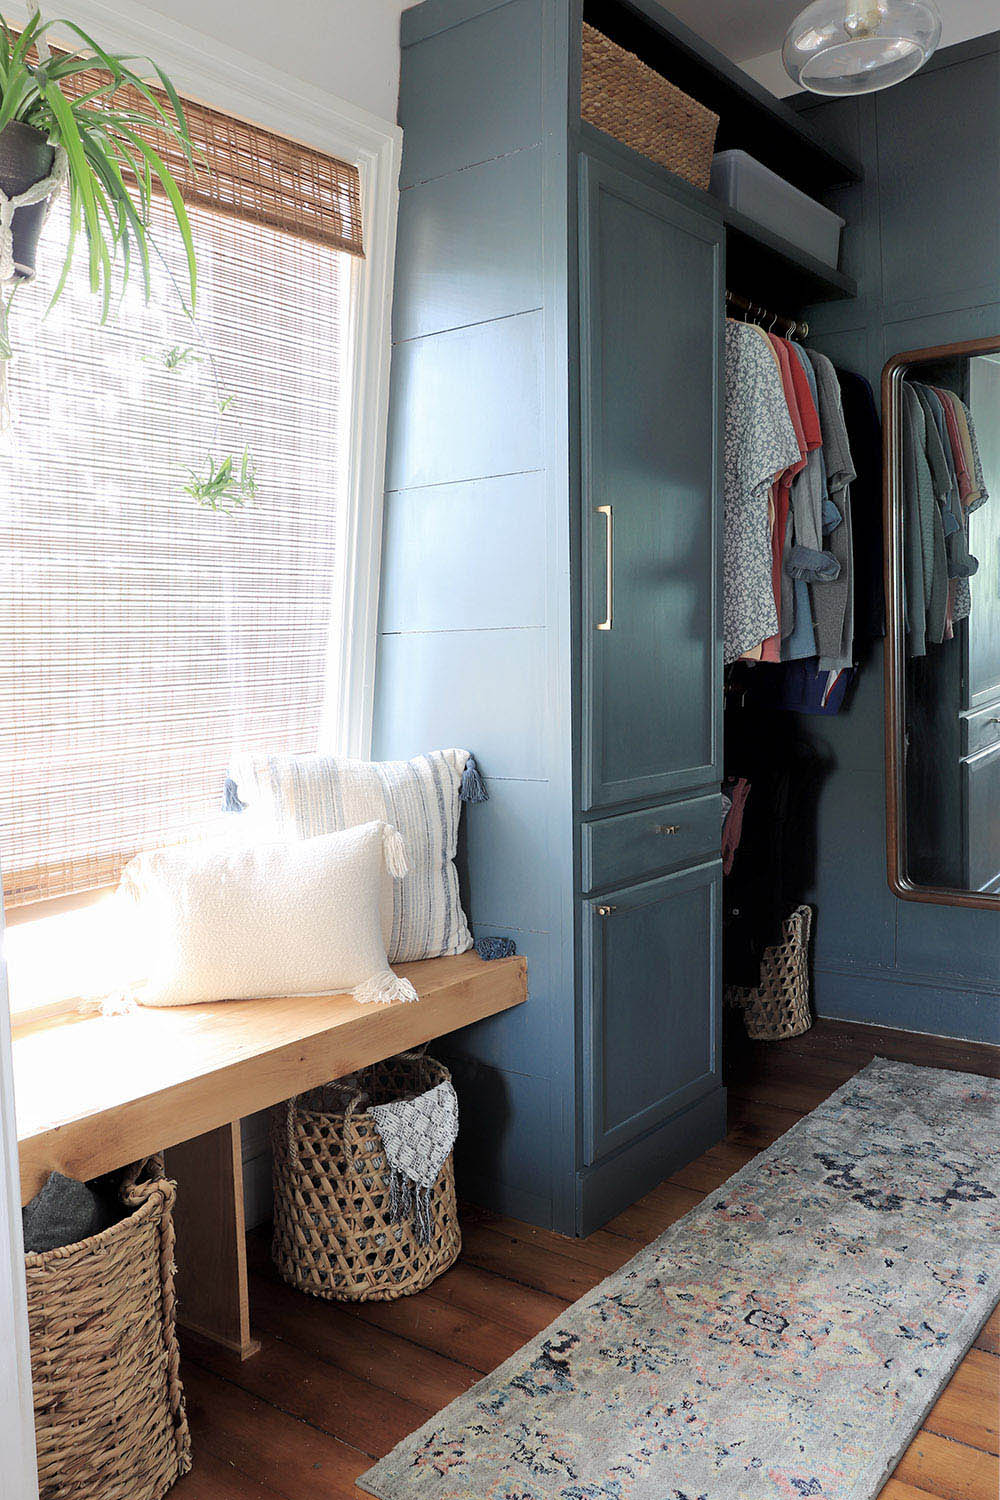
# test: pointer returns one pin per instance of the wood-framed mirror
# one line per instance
(941, 466)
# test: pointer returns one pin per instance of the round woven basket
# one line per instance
(109, 1406)
(779, 1006)
(334, 1235)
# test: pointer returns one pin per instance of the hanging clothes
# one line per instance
(781, 582)
(807, 560)
(760, 445)
(943, 483)
(864, 431)
(833, 600)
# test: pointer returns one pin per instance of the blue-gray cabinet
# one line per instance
(652, 317)
(651, 1033)
(554, 468)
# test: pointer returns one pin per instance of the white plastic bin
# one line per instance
(754, 190)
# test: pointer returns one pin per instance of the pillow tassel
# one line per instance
(384, 988)
(394, 851)
(473, 786)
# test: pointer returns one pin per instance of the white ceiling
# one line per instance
(751, 31)
(739, 28)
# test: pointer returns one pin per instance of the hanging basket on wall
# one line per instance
(779, 1006)
(32, 173)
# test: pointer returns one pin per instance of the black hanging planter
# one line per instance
(25, 158)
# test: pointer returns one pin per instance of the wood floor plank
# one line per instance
(713, 1167)
(445, 1328)
(844, 1039)
(989, 1337)
(758, 1125)
(529, 1265)
(968, 1408)
(948, 1469)
(376, 1355)
(646, 1220)
(295, 1460)
(213, 1479)
(353, 1411)
(601, 1250)
(522, 1307)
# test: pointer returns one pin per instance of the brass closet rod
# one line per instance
(762, 315)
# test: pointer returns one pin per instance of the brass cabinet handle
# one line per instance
(666, 828)
(993, 721)
(605, 911)
(609, 568)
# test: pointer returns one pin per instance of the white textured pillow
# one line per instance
(234, 922)
(306, 796)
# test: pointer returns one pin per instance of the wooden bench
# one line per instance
(94, 1093)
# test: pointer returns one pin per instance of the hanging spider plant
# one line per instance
(106, 151)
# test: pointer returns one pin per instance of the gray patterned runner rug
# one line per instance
(784, 1340)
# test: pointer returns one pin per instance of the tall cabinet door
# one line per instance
(652, 328)
(651, 1012)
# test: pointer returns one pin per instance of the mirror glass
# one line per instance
(943, 706)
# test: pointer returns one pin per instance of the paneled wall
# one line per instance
(924, 243)
(475, 588)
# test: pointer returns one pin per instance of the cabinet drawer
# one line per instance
(982, 813)
(635, 845)
(981, 731)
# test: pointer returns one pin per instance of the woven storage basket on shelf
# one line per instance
(779, 1006)
(333, 1231)
(109, 1407)
(639, 107)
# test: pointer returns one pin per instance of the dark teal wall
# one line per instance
(474, 627)
(924, 243)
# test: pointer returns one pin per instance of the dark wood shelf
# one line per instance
(750, 118)
(760, 265)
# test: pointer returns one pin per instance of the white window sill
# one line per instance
(62, 959)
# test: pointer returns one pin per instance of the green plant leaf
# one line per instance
(80, 169)
(162, 172)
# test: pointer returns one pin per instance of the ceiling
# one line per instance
(739, 28)
(751, 31)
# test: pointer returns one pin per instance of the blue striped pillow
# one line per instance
(307, 796)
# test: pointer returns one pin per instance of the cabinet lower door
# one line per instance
(652, 319)
(652, 1004)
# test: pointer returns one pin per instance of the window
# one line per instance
(143, 636)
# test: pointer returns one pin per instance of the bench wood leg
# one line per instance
(212, 1294)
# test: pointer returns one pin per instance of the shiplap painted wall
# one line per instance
(923, 239)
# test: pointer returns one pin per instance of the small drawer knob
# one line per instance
(605, 911)
(666, 828)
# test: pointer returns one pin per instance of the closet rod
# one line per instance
(756, 311)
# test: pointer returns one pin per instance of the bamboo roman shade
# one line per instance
(244, 170)
(144, 638)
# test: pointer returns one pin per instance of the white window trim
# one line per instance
(228, 80)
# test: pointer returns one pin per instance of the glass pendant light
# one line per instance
(858, 46)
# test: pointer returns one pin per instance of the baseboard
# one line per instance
(604, 1190)
(909, 1002)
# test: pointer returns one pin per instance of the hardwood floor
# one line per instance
(336, 1386)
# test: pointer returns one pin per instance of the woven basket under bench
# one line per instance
(334, 1234)
(109, 1407)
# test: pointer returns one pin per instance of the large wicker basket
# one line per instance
(779, 1006)
(109, 1407)
(639, 107)
(334, 1234)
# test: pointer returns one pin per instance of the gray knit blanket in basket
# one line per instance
(417, 1134)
